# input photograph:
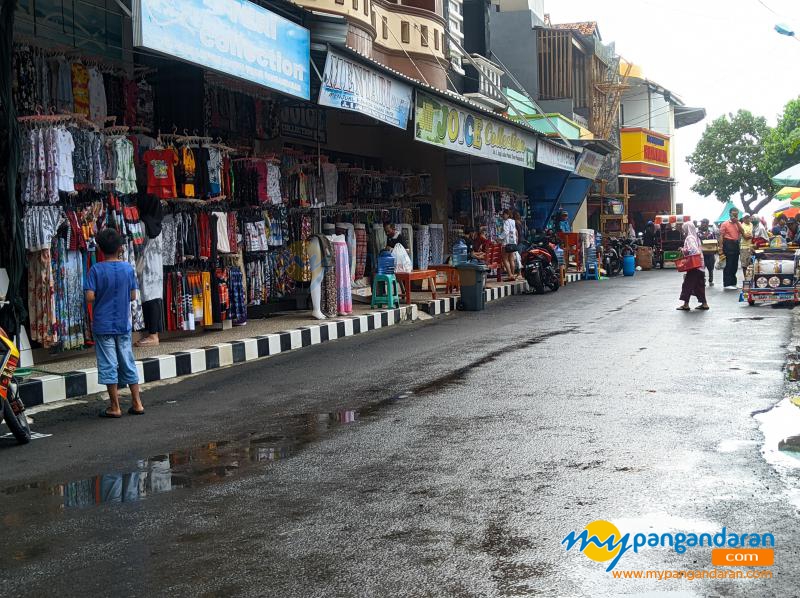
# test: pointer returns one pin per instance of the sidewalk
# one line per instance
(178, 356)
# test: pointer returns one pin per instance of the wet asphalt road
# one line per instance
(443, 458)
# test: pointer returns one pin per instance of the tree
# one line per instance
(782, 146)
(730, 159)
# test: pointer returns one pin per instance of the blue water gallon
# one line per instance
(560, 256)
(385, 262)
(628, 265)
(460, 255)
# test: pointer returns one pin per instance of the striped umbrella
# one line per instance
(788, 193)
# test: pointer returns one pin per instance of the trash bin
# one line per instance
(473, 284)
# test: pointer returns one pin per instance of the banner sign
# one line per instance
(349, 85)
(589, 164)
(555, 156)
(235, 37)
(452, 127)
(305, 122)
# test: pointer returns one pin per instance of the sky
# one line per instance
(722, 55)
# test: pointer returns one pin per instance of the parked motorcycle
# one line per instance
(13, 410)
(612, 257)
(540, 266)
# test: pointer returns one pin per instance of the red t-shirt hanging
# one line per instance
(161, 172)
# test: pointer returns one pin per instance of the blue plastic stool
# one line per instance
(390, 297)
(592, 271)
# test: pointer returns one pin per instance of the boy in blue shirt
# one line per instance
(111, 286)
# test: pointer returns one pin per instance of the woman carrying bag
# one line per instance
(510, 240)
(694, 281)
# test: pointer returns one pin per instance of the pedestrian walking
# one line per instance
(746, 244)
(509, 238)
(706, 233)
(730, 233)
(111, 286)
(694, 281)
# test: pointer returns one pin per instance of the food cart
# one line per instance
(772, 277)
(671, 232)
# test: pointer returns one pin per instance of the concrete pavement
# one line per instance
(446, 459)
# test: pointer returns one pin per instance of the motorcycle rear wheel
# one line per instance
(554, 283)
(535, 282)
(18, 424)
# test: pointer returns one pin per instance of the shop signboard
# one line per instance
(645, 152)
(589, 164)
(235, 37)
(349, 85)
(452, 127)
(303, 121)
(550, 154)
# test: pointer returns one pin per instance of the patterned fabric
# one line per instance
(80, 88)
(361, 251)
(329, 307)
(137, 317)
(238, 312)
(436, 244)
(344, 293)
(69, 301)
(41, 298)
(423, 249)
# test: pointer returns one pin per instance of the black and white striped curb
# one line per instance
(51, 388)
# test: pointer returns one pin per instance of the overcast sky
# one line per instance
(719, 54)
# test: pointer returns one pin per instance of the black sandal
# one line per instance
(107, 415)
(133, 411)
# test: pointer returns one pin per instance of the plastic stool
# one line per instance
(592, 271)
(391, 297)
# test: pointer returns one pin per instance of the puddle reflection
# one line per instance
(200, 465)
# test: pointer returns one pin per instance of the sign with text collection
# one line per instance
(235, 37)
(455, 128)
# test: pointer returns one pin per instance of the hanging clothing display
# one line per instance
(344, 292)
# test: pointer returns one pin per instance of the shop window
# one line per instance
(423, 31)
(405, 32)
(385, 27)
(436, 38)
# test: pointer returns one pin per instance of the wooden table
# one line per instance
(406, 277)
(453, 284)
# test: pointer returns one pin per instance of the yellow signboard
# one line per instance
(645, 152)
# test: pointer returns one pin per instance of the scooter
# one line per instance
(540, 266)
(13, 410)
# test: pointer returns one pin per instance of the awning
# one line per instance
(647, 178)
(687, 115)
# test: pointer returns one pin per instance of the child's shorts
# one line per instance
(115, 363)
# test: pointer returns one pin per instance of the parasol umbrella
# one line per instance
(789, 177)
(790, 211)
(788, 193)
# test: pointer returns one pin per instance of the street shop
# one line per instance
(223, 178)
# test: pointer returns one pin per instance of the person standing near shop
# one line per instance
(694, 281)
(111, 286)
(706, 233)
(746, 243)
(509, 239)
(730, 233)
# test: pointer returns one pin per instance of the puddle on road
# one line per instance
(186, 468)
(781, 428)
(217, 461)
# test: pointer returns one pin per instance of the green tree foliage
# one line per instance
(729, 160)
(782, 146)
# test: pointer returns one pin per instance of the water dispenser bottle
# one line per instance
(385, 262)
(460, 255)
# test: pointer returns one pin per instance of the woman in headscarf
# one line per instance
(694, 281)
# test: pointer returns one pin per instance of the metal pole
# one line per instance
(471, 194)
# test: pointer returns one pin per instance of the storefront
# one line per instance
(646, 166)
(216, 172)
(486, 157)
(553, 186)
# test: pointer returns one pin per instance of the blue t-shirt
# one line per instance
(112, 283)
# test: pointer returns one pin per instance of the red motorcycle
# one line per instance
(540, 266)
